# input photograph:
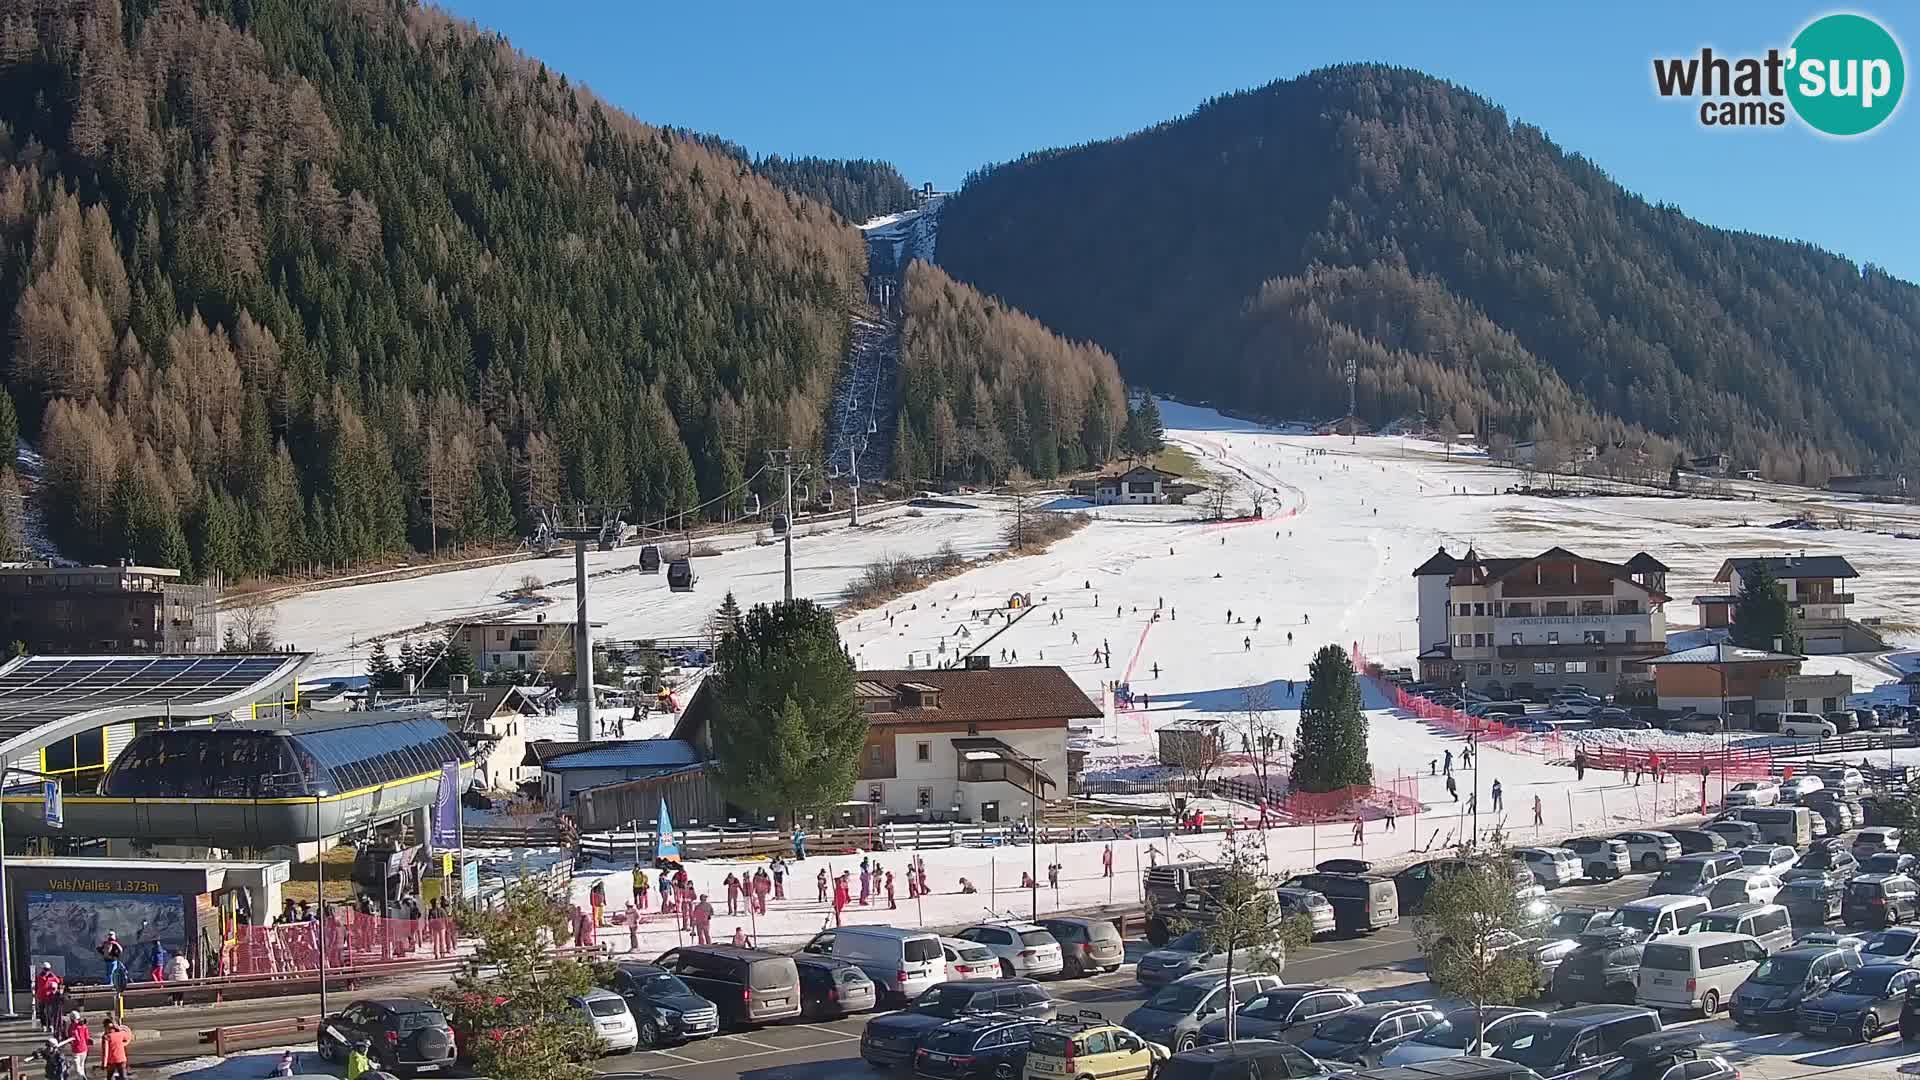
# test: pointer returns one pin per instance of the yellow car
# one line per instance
(1089, 1048)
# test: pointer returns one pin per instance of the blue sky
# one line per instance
(939, 89)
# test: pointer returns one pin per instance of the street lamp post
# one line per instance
(320, 892)
(6, 921)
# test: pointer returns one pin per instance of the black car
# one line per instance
(986, 1047)
(1603, 967)
(665, 1010)
(892, 1039)
(1813, 900)
(1668, 1055)
(401, 1034)
(1738, 833)
(1240, 1060)
(1773, 994)
(1698, 841)
(1889, 862)
(1284, 1014)
(1831, 858)
(1880, 900)
(1344, 866)
(1574, 1044)
(1900, 945)
(1861, 1004)
(1362, 1036)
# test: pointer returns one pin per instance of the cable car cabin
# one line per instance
(680, 575)
(650, 559)
(779, 524)
(825, 501)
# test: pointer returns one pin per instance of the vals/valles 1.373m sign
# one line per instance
(1842, 75)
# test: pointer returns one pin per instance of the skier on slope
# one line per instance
(1247, 643)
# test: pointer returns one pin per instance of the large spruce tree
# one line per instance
(1330, 751)
(1761, 614)
(787, 733)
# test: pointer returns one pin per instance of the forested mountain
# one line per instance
(1473, 270)
(986, 390)
(856, 188)
(293, 282)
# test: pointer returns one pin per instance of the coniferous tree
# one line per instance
(13, 518)
(1330, 750)
(380, 672)
(1762, 617)
(1153, 432)
(9, 429)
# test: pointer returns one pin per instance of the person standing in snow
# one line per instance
(1452, 788)
(1539, 818)
(821, 882)
(1106, 861)
(1496, 796)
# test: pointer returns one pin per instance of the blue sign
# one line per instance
(665, 846)
(56, 813)
(446, 809)
(470, 880)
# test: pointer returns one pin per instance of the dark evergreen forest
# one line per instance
(1473, 270)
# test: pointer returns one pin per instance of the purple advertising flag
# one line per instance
(446, 809)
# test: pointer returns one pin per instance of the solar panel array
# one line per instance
(43, 690)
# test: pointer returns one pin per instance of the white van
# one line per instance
(1788, 826)
(1656, 915)
(1806, 725)
(901, 962)
(1768, 924)
(1695, 971)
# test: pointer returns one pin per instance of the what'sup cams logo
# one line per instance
(1842, 76)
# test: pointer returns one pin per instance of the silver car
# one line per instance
(1313, 905)
(1552, 867)
(1190, 953)
(1173, 1016)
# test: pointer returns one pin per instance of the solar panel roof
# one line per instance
(39, 692)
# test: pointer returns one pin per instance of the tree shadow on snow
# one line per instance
(1230, 699)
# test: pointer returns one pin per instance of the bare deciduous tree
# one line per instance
(251, 625)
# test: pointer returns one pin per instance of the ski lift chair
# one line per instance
(753, 504)
(680, 575)
(780, 524)
(650, 559)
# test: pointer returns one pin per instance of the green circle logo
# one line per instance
(1847, 74)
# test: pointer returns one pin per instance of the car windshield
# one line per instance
(1449, 1035)
(1893, 943)
(1636, 918)
(1179, 997)
(1867, 981)
(1749, 786)
(663, 985)
(1756, 856)
(1191, 941)
(1781, 971)
(1538, 1046)
(1347, 1029)
(1269, 1007)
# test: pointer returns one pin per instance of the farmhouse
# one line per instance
(1727, 680)
(1812, 588)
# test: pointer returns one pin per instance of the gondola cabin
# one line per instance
(680, 575)
(650, 559)
(779, 524)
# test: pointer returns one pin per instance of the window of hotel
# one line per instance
(1546, 667)
(1509, 669)
(1829, 704)
(1479, 641)
(1799, 704)
(1576, 667)
(1557, 607)
(1633, 636)
(873, 755)
(1590, 607)
(1465, 610)
(1594, 637)
(1486, 669)
(1516, 639)
(1518, 610)
(923, 751)
(1626, 607)
(1463, 640)
(1600, 667)
(1479, 610)
(499, 635)
(1553, 637)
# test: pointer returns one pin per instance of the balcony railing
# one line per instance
(983, 772)
(1824, 598)
(1575, 650)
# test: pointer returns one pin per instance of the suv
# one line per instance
(1285, 1013)
(1023, 948)
(1694, 873)
(1174, 1014)
(894, 1038)
(1603, 966)
(1190, 953)
(976, 1046)
(1601, 858)
(1650, 850)
(1090, 1045)
(402, 1034)
(1822, 860)
(1776, 989)
(1087, 945)
(1754, 793)
(1240, 1060)
(1413, 882)
(664, 1008)
(1575, 1043)
(1880, 900)
(1736, 832)
(1363, 1036)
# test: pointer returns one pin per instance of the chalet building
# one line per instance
(1743, 684)
(1553, 619)
(1812, 584)
(1140, 485)
(524, 644)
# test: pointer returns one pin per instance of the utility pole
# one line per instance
(584, 693)
(785, 460)
(1353, 423)
(853, 453)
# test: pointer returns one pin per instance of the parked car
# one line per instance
(1601, 858)
(1315, 906)
(1650, 850)
(1842, 721)
(665, 1010)
(1602, 967)
(1840, 814)
(1088, 945)
(1454, 1036)
(1190, 953)
(1879, 900)
(1744, 887)
(832, 988)
(1285, 1013)
(748, 986)
(1415, 880)
(1769, 924)
(1362, 903)
(1754, 793)
(969, 959)
(1175, 1013)
(1656, 915)
(1822, 860)
(1668, 1055)
(1872, 841)
(1805, 784)
(1024, 949)
(1569, 923)
(1837, 938)
(606, 1013)
(892, 1038)
(1889, 862)
(1773, 858)
(1808, 726)
(1813, 900)
(1696, 971)
(1865, 718)
(1694, 873)
(1575, 1044)
(1574, 704)
(1364, 1035)
(1698, 841)
(989, 1047)
(402, 1034)
(1737, 833)
(1771, 997)
(1088, 1045)
(1240, 1060)
(1897, 945)
(1861, 1004)
(1552, 867)
(901, 962)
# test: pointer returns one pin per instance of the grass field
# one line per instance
(1177, 461)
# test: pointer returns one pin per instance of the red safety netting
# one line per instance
(352, 938)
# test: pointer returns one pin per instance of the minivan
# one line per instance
(748, 986)
(1694, 873)
(1362, 903)
(1696, 971)
(1768, 924)
(1806, 725)
(1601, 967)
(1574, 1044)
(1879, 838)
(1656, 915)
(1086, 945)
(1880, 900)
(902, 963)
(1788, 825)
(1775, 990)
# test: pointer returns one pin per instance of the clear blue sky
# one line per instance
(939, 89)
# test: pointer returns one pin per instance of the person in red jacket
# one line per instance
(46, 990)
